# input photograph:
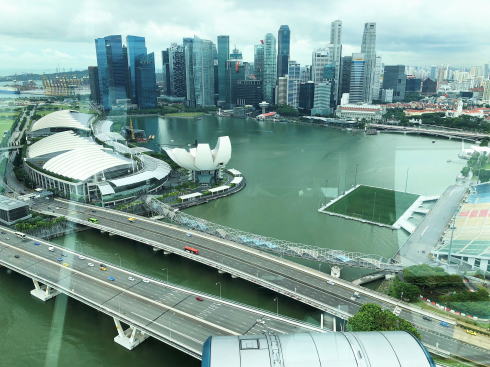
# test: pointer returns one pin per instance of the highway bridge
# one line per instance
(175, 315)
(334, 296)
(450, 134)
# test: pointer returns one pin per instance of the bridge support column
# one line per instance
(129, 338)
(43, 292)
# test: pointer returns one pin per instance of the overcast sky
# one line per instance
(42, 35)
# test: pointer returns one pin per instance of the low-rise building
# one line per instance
(360, 112)
(12, 211)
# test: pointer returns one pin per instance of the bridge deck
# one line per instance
(281, 275)
(170, 313)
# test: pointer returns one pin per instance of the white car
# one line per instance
(90, 264)
(131, 278)
(51, 248)
(146, 280)
(81, 257)
(330, 282)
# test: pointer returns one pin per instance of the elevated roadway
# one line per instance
(334, 296)
(178, 316)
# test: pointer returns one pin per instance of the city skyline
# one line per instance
(414, 34)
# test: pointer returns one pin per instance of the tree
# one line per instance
(405, 291)
(465, 171)
(372, 317)
(285, 110)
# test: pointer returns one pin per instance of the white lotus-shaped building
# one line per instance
(202, 158)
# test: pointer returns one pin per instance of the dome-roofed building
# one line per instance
(203, 162)
(61, 121)
(73, 165)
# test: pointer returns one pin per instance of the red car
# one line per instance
(200, 299)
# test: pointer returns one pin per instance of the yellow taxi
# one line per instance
(471, 332)
(131, 219)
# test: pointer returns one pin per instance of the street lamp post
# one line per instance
(276, 299)
(166, 270)
(219, 283)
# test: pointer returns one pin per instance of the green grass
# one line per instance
(373, 204)
(184, 114)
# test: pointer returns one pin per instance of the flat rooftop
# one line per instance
(7, 203)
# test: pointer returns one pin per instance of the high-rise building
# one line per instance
(357, 79)
(378, 78)
(294, 79)
(345, 69)
(319, 59)
(305, 73)
(270, 68)
(259, 61)
(395, 78)
(282, 90)
(112, 65)
(136, 47)
(486, 92)
(306, 96)
(93, 77)
(166, 72)
(145, 81)
(413, 84)
(429, 86)
(248, 92)
(486, 71)
(235, 71)
(283, 50)
(189, 71)
(368, 48)
(223, 56)
(322, 99)
(433, 72)
(176, 59)
(203, 72)
(236, 54)
(336, 42)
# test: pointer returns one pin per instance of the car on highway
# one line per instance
(93, 220)
(81, 257)
(60, 259)
(188, 234)
(444, 323)
(111, 278)
(200, 299)
(426, 318)
(51, 248)
(131, 279)
(16, 256)
(66, 265)
(90, 264)
(146, 280)
(103, 267)
(131, 219)
(471, 332)
(37, 243)
(330, 282)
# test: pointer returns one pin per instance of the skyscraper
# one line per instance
(294, 79)
(270, 67)
(189, 72)
(336, 42)
(306, 96)
(319, 59)
(283, 50)
(223, 56)
(145, 81)
(112, 65)
(395, 78)
(322, 99)
(259, 60)
(368, 48)
(176, 59)
(166, 72)
(203, 71)
(93, 77)
(235, 71)
(136, 47)
(357, 79)
(345, 67)
(378, 78)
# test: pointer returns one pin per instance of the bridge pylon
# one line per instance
(129, 338)
(43, 292)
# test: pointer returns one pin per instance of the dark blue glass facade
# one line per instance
(145, 81)
(223, 55)
(136, 47)
(283, 45)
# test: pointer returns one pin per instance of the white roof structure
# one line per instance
(235, 172)
(59, 142)
(63, 119)
(219, 188)
(202, 158)
(89, 160)
(237, 180)
(190, 196)
(154, 168)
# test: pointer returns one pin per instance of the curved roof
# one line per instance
(90, 160)
(63, 119)
(59, 142)
(202, 158)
